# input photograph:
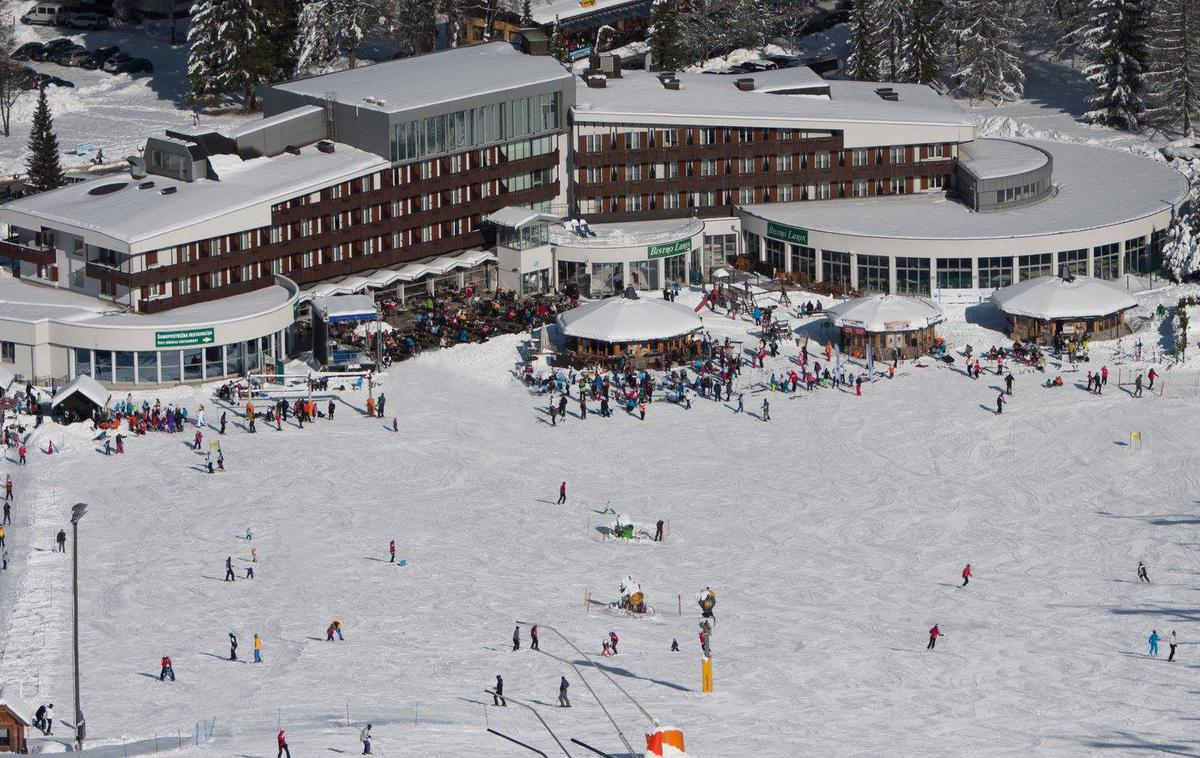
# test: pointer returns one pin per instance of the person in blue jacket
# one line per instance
(1154, 642)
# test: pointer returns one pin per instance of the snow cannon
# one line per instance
(624, 527)
(707, 601)
(665, 741)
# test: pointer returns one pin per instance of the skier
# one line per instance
(741, 407)
(612, 637)
(232, 646)
(249, 572)
(392, 551)
(1008, 384)
(1154, 642)
(1142, 575)
(167, 669)
(1137, 386)
(1152, 375)
(966, 576)
(498, 693)
(516, 638)
(934, 633)
(562, 493)
(7, 512)
(222, 422)
(365, 736)
(8, 488)
(257, 649)
(283, 746)
(658, 531)
(766, 410)
(1172, 642)
(674, 646)
(61, 540)
(229, 577)
(999, 403)
(563, 702)
(533, 638)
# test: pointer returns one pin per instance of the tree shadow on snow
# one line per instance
(1126, 741)
(627, 673)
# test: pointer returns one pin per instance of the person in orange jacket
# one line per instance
(250, 415)
(371, 406)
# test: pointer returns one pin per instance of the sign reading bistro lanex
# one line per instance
(183, 337)
(666, 249)
(792, 234)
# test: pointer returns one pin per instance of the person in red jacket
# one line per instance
(167, 669)
(1152, 375)
(966, 575)
(562, 493)
(934, 633)
(283, 746)
(392, 551)
(612, 637)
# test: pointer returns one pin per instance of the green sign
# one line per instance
(792, 234)
(666, 249)
(183, 337)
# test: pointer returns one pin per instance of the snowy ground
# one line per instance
(833, 535)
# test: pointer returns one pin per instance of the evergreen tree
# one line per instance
(280, 23)
(327, 29)
(864, 63)
(665, 53)
(45, 171)
(204, 56)
(922, 61)
(892, 22)
(558, 42)
(986, 34)
(241, 50)
(527, 15)
(1116, 41)
(415, 29)
(1173, 82)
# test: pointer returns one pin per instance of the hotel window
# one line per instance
(858, 156)
(708, 136)
(774, 254)
(821, 159)
(708, 167)
(1107, 261)
(670, 201)
(276, 234)
(633, 202)
(426, 233)
(1137, 256)
(784, 193)
(954, 273)
(1074, 261)
(823, 191)
(898, 185)
(594, 143)
(835, 267)
(633, 140)
(995, 272)
(860, 187)
(669, 138)
(746, 195)
(912, 276)
(745, 135)
(670, 170)
(1033, 266)
(595, 174)
(804, 260)
(746, 166)
(244, 241)
(783, 163)
(633, 172)
(783, 134)
(937, 151)
(896, 154)
(873, 273)
(937, 182)
(306, 260)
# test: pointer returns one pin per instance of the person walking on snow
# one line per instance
(222, 422)
(61, 540)
(257, 649)
(966, 575)
(498, 693)
(365, 737)
(999, 403)
(199, 439)
(1152, 375)
(167, 669)
(533, 638)
(766, 410)
(658, 531)
(563, 701)
(1008, 384)
(612, 638)
(1142, 575)
(516, 638)
(1154, 642)
(1172, 642)
(283, 746)
(8, 492)
(934, 633)
(229, 576)
(562, 493)
(1137, 386)
(329, 633)
(7, 512)
(392, 551)
(232, 646)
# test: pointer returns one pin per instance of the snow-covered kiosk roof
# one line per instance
(16, 705)
(885, 313)
(623, 319)
(1050, 298)
(86, 387)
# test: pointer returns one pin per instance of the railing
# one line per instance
(623, 238)
(39, 255)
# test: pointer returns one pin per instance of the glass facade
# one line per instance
(1137, 256)
(873, 273)
(172, 366)
(476, 127)
(1107, 261)
(643, 275)
(954, 273)
(775, 254)
(995, 272)
(912, 276)
(835, 267)
(1033, 266)
(804, 261)
(125, 364)
(1074, 262)
(675, 269)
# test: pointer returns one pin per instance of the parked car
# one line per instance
(98, 56)
(46, 14)
(51, 48)
(750, 67)
(59, 82)
(92, 21)
(785, 61)
(27, 51)
(74, 58)
(134, 66)
(115, 60)
(60, 55)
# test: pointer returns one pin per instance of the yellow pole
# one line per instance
(706, 674)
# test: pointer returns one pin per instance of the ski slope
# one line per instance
(834, 536)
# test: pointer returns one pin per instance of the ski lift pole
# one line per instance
(538, 716)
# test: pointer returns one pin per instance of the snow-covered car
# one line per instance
(98, 56)
(750, 67)
(92, 21)
(62, 54)
(51, 48)
(58, 81)
(134, 66)
(27, 51)
(115, 60)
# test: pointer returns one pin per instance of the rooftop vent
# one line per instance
(671, 84)
(597, 82)
(375, 100)
(105, 189)
(168, 190)
(145, 185)
(291, 149)
(745, 84)
(325, 146)
(887, 93)
(668, 80)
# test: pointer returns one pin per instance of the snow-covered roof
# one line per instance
(885, 313)
(135, 219)
(626, 233)
(515, 218)
(86, 386)
(786, 97)
(1097, 187)
(17, 705)
(1051, 297)
(621, 319)
(336, 308)
(431, 79)
(546, 11)
(996, 158)
(258, 125)
(7, 377)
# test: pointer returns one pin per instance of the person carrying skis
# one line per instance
(167, 669)
(498, 693)
(562, 493)
(1154, 642)
(283, 746)
(934, 633)
(229, 576)
(563, 701)
(365, 737)
(516, 638)
(1142, 575)
(966, 575)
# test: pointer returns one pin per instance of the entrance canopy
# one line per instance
(885, 313)
(339, 309)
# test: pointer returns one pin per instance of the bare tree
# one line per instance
(11, 78)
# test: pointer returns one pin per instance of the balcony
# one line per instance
(628, 236)
(39, 255)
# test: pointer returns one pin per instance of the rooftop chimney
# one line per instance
(745, 84)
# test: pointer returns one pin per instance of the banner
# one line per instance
(183, 337)
(667, 249)
(793, 234)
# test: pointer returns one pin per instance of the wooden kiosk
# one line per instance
(628, 326)
(887, 323)
(1074, 308)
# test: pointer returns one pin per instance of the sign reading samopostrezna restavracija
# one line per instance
(183, 337)
(666, 249)
(793, 234)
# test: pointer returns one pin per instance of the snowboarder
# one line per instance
(257, 649)
(167, 669)
(232, 646)
(766, 410)
(533, 638)
(365, 736)
(516, 638)
(999, 403)
(498, 693)
(1142, 575)
(283, 746)
(563, 701)
(1008, 384)
(392, 551)
(562, 493)
(1154, 642)
(658, 534)
(966, 576)
(934, 633)
(612, 637)
(229, 577)
(61, 541)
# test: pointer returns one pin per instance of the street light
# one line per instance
(77, 512)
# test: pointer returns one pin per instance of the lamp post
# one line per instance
(77, 512)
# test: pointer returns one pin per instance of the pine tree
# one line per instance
(280, 22)
(1116, 40)
(241, 50)
(45, 171)
(665, 52)
(864, 63)
(527, 15)
(415, 29)
(327, 29)
(204, 57)
(986, 35)
(1173, 82)
(892, 22)
(558, 42)
(922, 61)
